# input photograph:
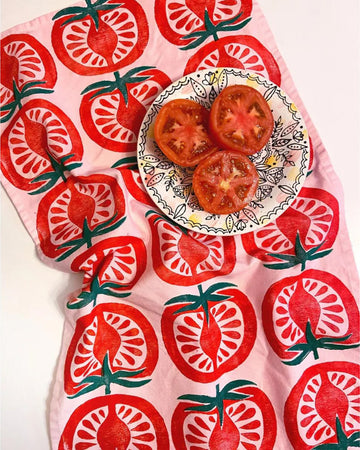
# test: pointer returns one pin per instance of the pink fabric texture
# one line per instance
(175, 340)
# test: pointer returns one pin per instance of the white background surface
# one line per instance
(314, 36)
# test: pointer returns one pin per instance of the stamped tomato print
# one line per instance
(110, 267)
(307, 313)
(210, 333)
(115, 422)
(304, 232)
(40, 146)
(74, 212)
(129, 170)
(241, 52)
(239, 416)
(186, 258)
(117, 330)
(111, 111)
(27, 68)
(191, 22)
(101, 37)
(322, 410)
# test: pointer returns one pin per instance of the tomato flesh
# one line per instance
(241, 119)
(181, 132)
(225, 182)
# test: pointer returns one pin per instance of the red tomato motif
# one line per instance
(311, 311)
(240, 423)
(74, 212)
(187, 258)
(101, 38)
(112, 119)
(241, 52)
(116, 329)
(115, 422)
(129, 170)
(118, 260)
(177, 19)
(25, 65)
(38, 146)
(305, 231)
(323, 407)
(209, 334)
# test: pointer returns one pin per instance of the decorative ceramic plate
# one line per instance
(282, 164)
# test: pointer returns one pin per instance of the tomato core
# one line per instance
(107, 340)
(292, 223)
(81, 207)
(199, 6)
(327, 395)
(102, 40)
(304, 308)
(36, 136)
(113, 433)
(192, 251)
(225, 436)
(129, 114)
(211, 338)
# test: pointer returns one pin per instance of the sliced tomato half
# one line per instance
(309, 313)
(114, 422)
(188, 258)
(209, 334)
(72, 213)
(120, 260)
(322, 410)
(229, 423)
(177, 20)
(225, 182)
(239, 51)
(100, 38)
(181, 132)
(38, 145)
(306, 230)
(118, 330)
(26, 65)
(241, 119)
(112, 117)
